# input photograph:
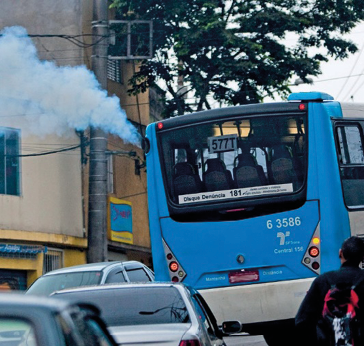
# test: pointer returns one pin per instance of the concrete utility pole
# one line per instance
(97, 214)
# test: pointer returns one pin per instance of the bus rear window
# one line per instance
(232, 160)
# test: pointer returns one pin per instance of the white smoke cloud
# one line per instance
(42, 98)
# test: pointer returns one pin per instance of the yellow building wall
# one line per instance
(74, 251)
(74, 257)
(128, 185)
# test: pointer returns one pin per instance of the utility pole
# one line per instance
(97, 212)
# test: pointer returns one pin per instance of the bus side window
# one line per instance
(351, 160)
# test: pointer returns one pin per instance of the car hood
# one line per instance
(152, 334)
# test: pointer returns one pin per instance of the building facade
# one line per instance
(44, 177)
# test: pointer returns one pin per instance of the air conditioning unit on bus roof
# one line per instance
(310, 96)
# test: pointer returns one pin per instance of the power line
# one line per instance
(352, 69)
(335, 78)
(73, 39)
(357, 89)
(45, 153)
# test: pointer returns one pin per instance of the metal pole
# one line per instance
(97, 213)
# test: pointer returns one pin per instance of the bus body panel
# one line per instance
(356, 222)
(272, 245)
(155, 182)
(257, 303)
(334, 215)
(157, 205)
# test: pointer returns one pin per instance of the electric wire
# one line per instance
(44, 153)
(351, 71)
(357, 89)
(352, 87)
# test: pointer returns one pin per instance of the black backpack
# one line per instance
(341, 313)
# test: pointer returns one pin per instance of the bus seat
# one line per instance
(216, 176)
(247, 172)
(282, 166)
(185, 180)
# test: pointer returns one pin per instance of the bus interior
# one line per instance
(235, 154)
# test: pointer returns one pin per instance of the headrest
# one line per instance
(244, 147)
(280, 152)
(183, 168)
(245, 160)
(215, 165)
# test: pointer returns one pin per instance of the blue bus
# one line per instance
(248, 204)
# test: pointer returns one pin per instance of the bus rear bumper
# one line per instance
(257, 303)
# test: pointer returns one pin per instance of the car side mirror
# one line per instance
(231, 327)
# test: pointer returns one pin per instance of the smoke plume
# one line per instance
(42, 98)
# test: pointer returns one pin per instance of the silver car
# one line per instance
(153, 313)
(30, 321)
(91, 274)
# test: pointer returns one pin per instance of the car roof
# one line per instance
(16, 300)
(99, 266)
(122, 285)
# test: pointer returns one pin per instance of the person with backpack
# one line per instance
(332, 312)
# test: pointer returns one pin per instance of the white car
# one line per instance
(154, 313)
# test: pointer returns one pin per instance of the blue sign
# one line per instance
(121, 221)
(29, 249)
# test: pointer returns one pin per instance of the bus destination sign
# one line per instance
(223, 143)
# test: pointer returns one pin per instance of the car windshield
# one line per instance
(135, 305)
(45, 285)
(14, 331)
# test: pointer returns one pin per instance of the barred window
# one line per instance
(53, 259)
(114, 70)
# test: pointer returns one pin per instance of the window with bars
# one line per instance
(53, 259)
(9, 161)
(114, 70)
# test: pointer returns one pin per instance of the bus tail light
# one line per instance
(312, 257)
(313, 251)
(173, 266)
(176, 272)
(315, 265)
(160, 126)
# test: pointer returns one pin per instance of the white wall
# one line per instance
(51, 196)
(51, 186)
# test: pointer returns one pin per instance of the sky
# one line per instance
(342, 79)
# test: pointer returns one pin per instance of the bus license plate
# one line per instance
(243, 276)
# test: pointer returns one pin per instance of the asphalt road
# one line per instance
(245, 340)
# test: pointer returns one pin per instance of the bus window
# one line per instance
(239, 159)
(351, 160)
(247, 171)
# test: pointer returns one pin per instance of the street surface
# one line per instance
(245, 340)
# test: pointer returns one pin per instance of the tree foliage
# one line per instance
(237, 51)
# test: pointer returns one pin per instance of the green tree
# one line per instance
(235, 51)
